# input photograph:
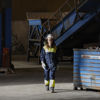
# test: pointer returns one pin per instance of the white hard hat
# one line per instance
(50, 36)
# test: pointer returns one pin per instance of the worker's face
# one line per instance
(50, 41)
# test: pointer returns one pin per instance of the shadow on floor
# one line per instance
(63, 90)
(34, 76)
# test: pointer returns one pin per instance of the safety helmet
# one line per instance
(50, 36)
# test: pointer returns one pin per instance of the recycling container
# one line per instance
(86, 71)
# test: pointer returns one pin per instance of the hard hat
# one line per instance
(50, 36)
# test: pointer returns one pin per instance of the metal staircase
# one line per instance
(65, 24)
(63, 18)
(69, 19)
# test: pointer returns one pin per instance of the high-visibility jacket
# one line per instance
(48, 56)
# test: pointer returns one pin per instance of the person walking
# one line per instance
(48, 59)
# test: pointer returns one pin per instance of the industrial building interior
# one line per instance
(24, 26)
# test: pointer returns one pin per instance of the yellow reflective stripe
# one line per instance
(52, 83)
(46, 82)
(50, 49)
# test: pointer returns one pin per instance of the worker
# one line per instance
(49, 62)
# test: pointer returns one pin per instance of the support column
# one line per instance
(8, 29)
(0, 39)
(6, 33)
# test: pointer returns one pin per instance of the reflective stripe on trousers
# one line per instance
(52, 83)
(46, 82)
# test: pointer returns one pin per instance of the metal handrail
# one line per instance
(55, 13)
(59, 12)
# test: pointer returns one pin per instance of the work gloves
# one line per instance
(43, 65)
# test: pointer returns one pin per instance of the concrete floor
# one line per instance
(27, 84)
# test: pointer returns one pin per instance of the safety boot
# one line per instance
(47, 88)
(52, 90)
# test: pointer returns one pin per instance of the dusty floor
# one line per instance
(27, 84)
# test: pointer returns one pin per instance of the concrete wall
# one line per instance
(21, 7)
(20, 30)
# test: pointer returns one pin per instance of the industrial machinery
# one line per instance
(74, 24)
(34, 38)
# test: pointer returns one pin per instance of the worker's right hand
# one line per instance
(43, 65)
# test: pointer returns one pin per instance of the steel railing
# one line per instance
(59, 15)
